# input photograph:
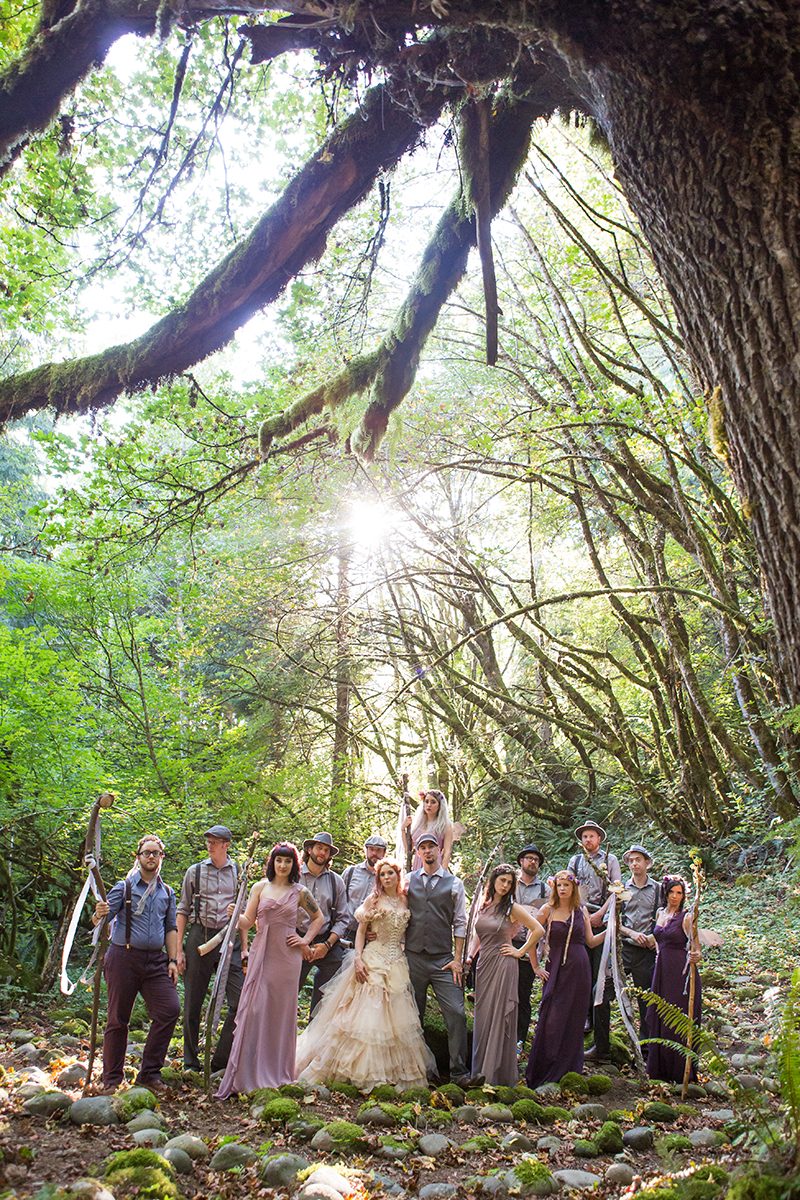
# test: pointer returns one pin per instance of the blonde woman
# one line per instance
(558, 1042)
(432, 817)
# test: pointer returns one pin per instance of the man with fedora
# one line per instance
(359, 880)
(326, 952)
(637, 922)
(595, 869)
(531, 891)
(438, 909)
(206, 902)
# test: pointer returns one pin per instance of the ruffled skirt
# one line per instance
(366, 1033)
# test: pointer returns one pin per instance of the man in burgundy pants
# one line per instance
(143, 912)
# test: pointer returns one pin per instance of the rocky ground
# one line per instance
(610, 1133)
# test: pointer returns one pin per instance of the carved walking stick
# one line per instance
(692, 969)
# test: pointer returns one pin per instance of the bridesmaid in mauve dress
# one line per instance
(673, 931)
(558, 1042)
(494, 1037)
(265, 1033)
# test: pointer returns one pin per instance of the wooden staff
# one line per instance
(92, 857)
(693, 941)
(405, 813)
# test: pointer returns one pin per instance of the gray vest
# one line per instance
(432, 908)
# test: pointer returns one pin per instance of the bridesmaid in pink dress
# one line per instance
(265, 1034)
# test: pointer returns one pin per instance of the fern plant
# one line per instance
(788, 1050)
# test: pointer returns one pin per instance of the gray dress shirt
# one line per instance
(218, 888)
(328, 891)
(590, 883)
(639, 913)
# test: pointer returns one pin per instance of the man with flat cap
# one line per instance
(325, 954)
(438, 909)
(595, 869)
(531, 891)
(637, 922)
(359, 880)
(206, 902)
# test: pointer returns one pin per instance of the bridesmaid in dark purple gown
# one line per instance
(558, 1042)
(673, 933)
(265, 1034)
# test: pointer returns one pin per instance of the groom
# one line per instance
(438, 910)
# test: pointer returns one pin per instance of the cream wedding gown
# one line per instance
(369, 1033)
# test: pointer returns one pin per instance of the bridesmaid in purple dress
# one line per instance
(494, 1037)
(677, 955)
(265, 1033)
(558, 1043)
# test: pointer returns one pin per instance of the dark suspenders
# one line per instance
(197, 895)
(128, 906)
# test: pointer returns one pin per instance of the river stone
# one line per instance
(517, 1141)
(89, 1189)
(388, 1186)
(577, 1179)
(318, 1191)
(550, 1091)
(746, 1060)
(145, 1119)
(329, 1177)
(619, 1173)
(27, 1052)
(433, 1145)
(133, 1100)
(749, 1082)
(437, 1191)
(150, 1137)
(93, 1110)
(467, 1114)
(323, 1141)
(638, 1138)
(702, 1138)
(589, 1112)
(695, 1091)
(492, 1114)
(27, 1090)
(717, 1089)
(492, 1185)
(195, 1147)
(720, 1114)
(281, 1172)
(72, 1076)
(179, 1159)
(394, 1153)
(44, 1104)
(321, 1092)
(20, 1036)
(232, 1154)
(375, 1116)
(550, 1143)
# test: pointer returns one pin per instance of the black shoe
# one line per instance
(469, 1081)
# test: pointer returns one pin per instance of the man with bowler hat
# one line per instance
(206, 902)
(637, 922)
(326, 952)
(531, 891)
(359, 880)
(595, 869)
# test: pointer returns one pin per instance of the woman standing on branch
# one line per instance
(494, 1039)
(558, 1042)
(432, 817)
(265, 1035)
(678, 953)
(366, 1029)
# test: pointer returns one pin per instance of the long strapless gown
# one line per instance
(669, 980)
(265, 1033)
(558, 1042)
(494, 1036)
(369, 1033)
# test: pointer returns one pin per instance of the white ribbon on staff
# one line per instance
(623, 999)
(65, 983)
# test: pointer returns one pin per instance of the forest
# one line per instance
(393, 398)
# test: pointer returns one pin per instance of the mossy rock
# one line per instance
(659, 1112)
(620, 1114)
(280, 1111)
(619, 1050)
(599, 1084)
(479, 1143)
(436, 1118)
(762, 1185)
(528, 1110)
(584, 1148)
(713, 978)
(478, 1096)
(141, 1157)
(76, 1028)
(416, 1095)
(452, 1092)
(143, 1183)
(672, 1143)
(303, 1129)
(665, 1193)
(573, 1084)
(263, 1096)
(347, 1137)
(344, 1089)
(554, 1112)
(709, 1182)
(127, 1104)
(505, 1095)
(534, 1177)
(609, 1138)
(525, 1093)
(384, 1091)
(293, 1090)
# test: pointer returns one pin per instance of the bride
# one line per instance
(366, 1029)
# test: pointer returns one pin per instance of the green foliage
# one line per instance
(573, 1084)
(585, 1148)
(141, 1172)
(659, 1112)
(528, 1110)
(280, 1111)
(416, 1095)
(451, 1092)
(478, 1143)
(788, 1051)
(609, 1138)
(384, 1091)
(344, 1089)
(673, 1143)
(293, 1090)
(599, 1084)
(347, 1137)
(553, 1113)
(531, 1171)
(436, 1118)
(756, 1183)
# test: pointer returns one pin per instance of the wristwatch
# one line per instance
(173, 960)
